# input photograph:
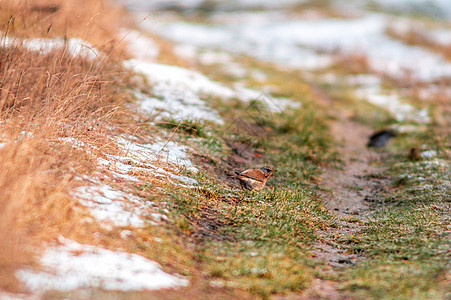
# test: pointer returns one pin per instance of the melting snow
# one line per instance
(392, 103)
(141, 47)
(441, 36)
(295, 43)
(161, 150)
(246, 37)
(440, 8)
(111, 206)
(428, 153)
(73, 266)
(75, 46)
(178, 91)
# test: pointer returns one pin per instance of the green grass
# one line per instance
(190, 127)
(258, 241)
(408, 238)
(258, 244)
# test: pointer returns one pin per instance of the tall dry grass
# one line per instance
(94, 20)
(45, 98)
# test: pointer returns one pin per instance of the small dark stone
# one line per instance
(381, 138)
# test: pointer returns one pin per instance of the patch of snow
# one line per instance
(188, 52)
(441, 36)
(159, 217)
(161, 150)
(74, 46)
(173, 77)
(432, 164)
(160, 4)
(434, 91)
(329, 78)
(186, 107)
(392, 103)
(214, 57)
(298, 43)
(364, 80)
(179, 90)
(407, 128)
(246, 37)
(428, 154)
(437, 8)
(405, 26)
(125, 234)
(220, 5)
(10, 296)
(73, 266)
(253, 4)
(144, 158)
(140, 46)
(108, 205)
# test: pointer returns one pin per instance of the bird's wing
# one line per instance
(253, 174)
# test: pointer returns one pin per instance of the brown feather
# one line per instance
(253, 174)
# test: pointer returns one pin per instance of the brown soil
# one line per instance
(350, 187)
(346, 192)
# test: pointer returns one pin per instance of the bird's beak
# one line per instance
(274, 171)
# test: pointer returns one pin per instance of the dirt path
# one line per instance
(353, 185)
(346, 192)
(347, 189)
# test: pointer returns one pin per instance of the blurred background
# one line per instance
(401, 39)
(406, 43)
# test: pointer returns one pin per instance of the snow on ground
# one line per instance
(10, 296)
(162, 151)
(434, 8)
(156, 5)
(140, 46)
(438, 35)
(368, 87)
(441, 36)
(257, 4)
(244, 37)
(220, 59)
(74, 46)
(179, 92)
(392, 103)
(110, 206)
(288, 41)
(72, 266)
(434, 91)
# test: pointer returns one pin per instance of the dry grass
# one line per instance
(92, 20)
(47, 97)
(43, 98)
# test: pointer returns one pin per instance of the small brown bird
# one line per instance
(414, 154)
(254, 179)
